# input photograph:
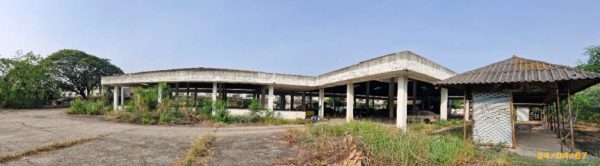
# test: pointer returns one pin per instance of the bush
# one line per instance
(221, 113)
(90, 107)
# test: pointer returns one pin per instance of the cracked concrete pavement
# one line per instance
(130, 144)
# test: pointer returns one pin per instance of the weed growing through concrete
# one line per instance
(49, 147)
(200, 151)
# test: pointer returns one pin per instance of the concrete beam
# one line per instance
(443, 103)
(401, 107)
(271, 97)
(321, 103)
(349, 102)
(116, 98)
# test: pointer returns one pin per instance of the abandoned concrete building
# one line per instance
(388, 86)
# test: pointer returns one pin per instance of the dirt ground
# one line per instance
(587, 137)
(130, 144)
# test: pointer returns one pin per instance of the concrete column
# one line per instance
(116, 98)
(414, 97)
(444, 103)
(282, 102)
(401, 107)
(303, 101)
(310, 99)
(122, 96)
(349, 102)
(214, 92)
(321, 102)
(368, 96)
(391, 97)
(159, 94)
(270, 103)
(292, 102)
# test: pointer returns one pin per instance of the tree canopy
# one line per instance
(78, 71)
(588, 101)
(25, 82)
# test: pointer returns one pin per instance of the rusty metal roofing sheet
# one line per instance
(517, 69)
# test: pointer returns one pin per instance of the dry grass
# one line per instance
(200, 151)
(49, 147)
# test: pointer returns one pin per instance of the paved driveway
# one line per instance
(129, 144)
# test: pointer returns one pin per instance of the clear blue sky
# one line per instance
(300, 37)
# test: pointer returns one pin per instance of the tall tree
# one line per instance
(25, 83)
(593, 62)
(78, 71)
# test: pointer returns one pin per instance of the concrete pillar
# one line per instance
(303, 101)
(402, 98)
(414, 97)
(214, 92)
(122, 96)
(310, 97)
(116, 98)
(444, 103)
(292, 102)
(321, 102)
(159, 94)
(282, 102)
(270, 103)
(368, 96)
(391, 97)
(349, 102)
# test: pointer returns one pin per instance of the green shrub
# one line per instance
(221, 112)
(89, 107)
(77, 107)
(255, 107)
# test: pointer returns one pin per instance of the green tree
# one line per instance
(587, 102)
(593, 62)
(25, 82)
(78, 71)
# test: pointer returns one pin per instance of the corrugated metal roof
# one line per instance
(517, 69)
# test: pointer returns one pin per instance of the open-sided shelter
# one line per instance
(495, 90)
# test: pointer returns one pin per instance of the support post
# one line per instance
(558, 118)
(349, 102)
(122, 96)
(187, 90)
(368, 95)
(391, 97)
(570, 120)
(282, 102)
(444, 104)
(159, 94)
(402, 103)
(321, 103)
(270, 103)
(214, 92)
(116, 98)
(465, 113)
(292, 102)
(303, 106)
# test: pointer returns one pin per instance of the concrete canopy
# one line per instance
(392, 65)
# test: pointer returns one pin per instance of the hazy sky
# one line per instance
(300, 36)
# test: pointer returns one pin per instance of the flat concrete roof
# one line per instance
(387, 66)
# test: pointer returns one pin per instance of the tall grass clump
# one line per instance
(391, 146)
(88, 107)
